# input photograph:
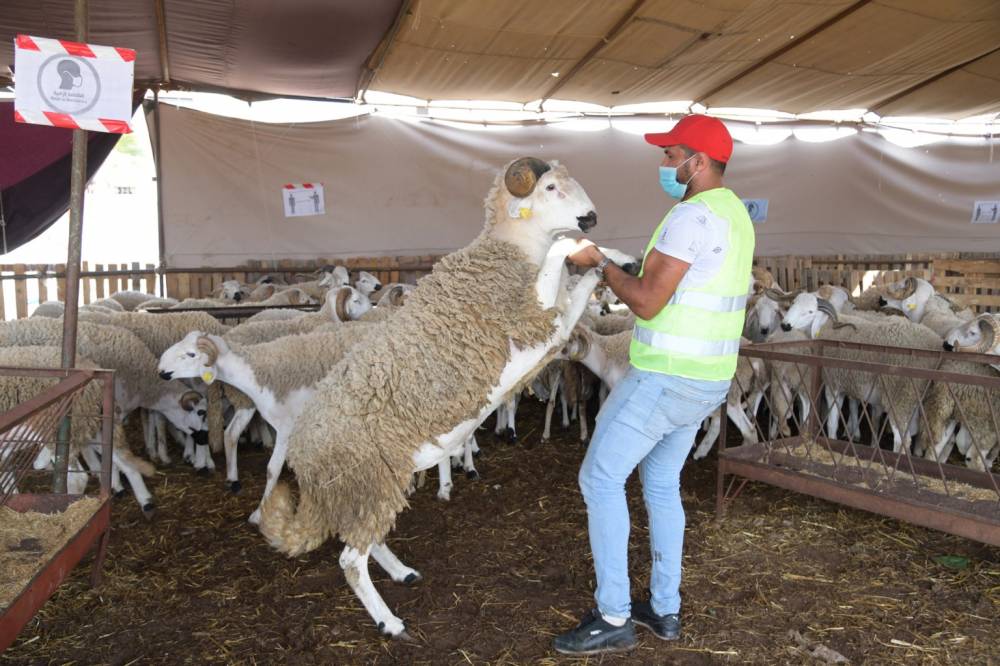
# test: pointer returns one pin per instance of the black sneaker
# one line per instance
(666, 627)
(595, 635)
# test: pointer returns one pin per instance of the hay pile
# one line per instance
(29, 539)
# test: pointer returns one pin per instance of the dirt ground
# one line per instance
(506, 566)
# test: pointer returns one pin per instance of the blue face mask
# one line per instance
(669, 182)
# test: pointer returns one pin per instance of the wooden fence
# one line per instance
(970, 279)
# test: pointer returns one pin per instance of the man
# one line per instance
(689, 304)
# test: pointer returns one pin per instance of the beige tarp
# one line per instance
(396, 187)
(897, 57)
(791, 56)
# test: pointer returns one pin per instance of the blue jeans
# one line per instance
(650, 419)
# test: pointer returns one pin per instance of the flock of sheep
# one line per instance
(363, 397)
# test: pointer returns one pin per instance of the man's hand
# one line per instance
(587, 256)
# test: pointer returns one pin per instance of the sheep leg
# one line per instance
(512, 418)
(147, 433)
(565, 409)
(189, 450)
(76, 480)
(355, 566)
(160, 429)
(444, 480)
(266, 438)
(582, 415)
(942, 447)
(139, 490)
(274, 467)
(736, 414)
(203, 462)
(467, 464)
(501, 414)
(421, 478)
(853, 421)
(230, 439)
(399, 572)
(832, 417)
(711, 434)
(549, 408)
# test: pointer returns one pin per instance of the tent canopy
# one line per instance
(895, 57)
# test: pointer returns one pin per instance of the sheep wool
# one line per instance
(161, 330)
(298, 361)
(419, 374)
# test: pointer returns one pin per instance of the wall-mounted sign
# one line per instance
(756, 209)
(303, 199)
(74, 85)
(986, 212)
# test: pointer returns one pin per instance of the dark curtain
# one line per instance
(35, 163)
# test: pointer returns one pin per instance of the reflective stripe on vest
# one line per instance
(697, 334)
(693, 346)
(709, 302)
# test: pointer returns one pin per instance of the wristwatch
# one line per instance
(602, 265)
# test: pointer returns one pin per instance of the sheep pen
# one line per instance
(506, 564)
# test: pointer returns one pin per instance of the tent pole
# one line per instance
(157, 160)
(78, 182)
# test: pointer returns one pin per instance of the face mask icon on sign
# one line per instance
(69, 75)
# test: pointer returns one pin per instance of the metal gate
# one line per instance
(836, 420)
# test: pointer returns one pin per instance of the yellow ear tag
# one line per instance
(911, 306)
(524, 213)
(208, 376)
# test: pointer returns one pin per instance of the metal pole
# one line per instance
(157, 160)
(77, 183)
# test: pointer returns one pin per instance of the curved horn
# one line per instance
(207, 347)
(990, 327)
(781, 296)
(397, 296)
(583, 345)
(826, 307)
(295, 296)
(522, 175)
(341, 304)
(190, 400)
(909, 287)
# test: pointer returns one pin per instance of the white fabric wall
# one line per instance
(398, 187)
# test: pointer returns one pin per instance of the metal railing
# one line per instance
(945, 405)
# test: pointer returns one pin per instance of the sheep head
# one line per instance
(541, 195)
(908, 288)
(190, 399)
(826, 307)
(194, 356)
(981, 335)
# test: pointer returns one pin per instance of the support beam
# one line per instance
(926, 82)
(589, 55)
(158, 165)
(78, 181)
(377, 58)
(771, 57)
(161, 29)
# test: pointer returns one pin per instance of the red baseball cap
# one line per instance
(700, 133)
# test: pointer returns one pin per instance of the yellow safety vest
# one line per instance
(697, 333)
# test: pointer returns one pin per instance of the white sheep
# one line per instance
(804, 308)
(129, 300)
(85, 413)
(920, 303)
(278, 377)
(472, 331)
(51, 309)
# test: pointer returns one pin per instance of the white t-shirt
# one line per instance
(697, 236)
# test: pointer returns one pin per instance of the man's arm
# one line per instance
(646, 295)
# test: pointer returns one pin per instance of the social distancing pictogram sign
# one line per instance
(74, 85)
(303, 199)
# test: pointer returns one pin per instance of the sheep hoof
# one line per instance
(235, 487)
(149, 510)
(472, 474)
(510, 436)
(204, 471)
(120, 493)
(404, 637)
(476, 453)
(412, 578)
